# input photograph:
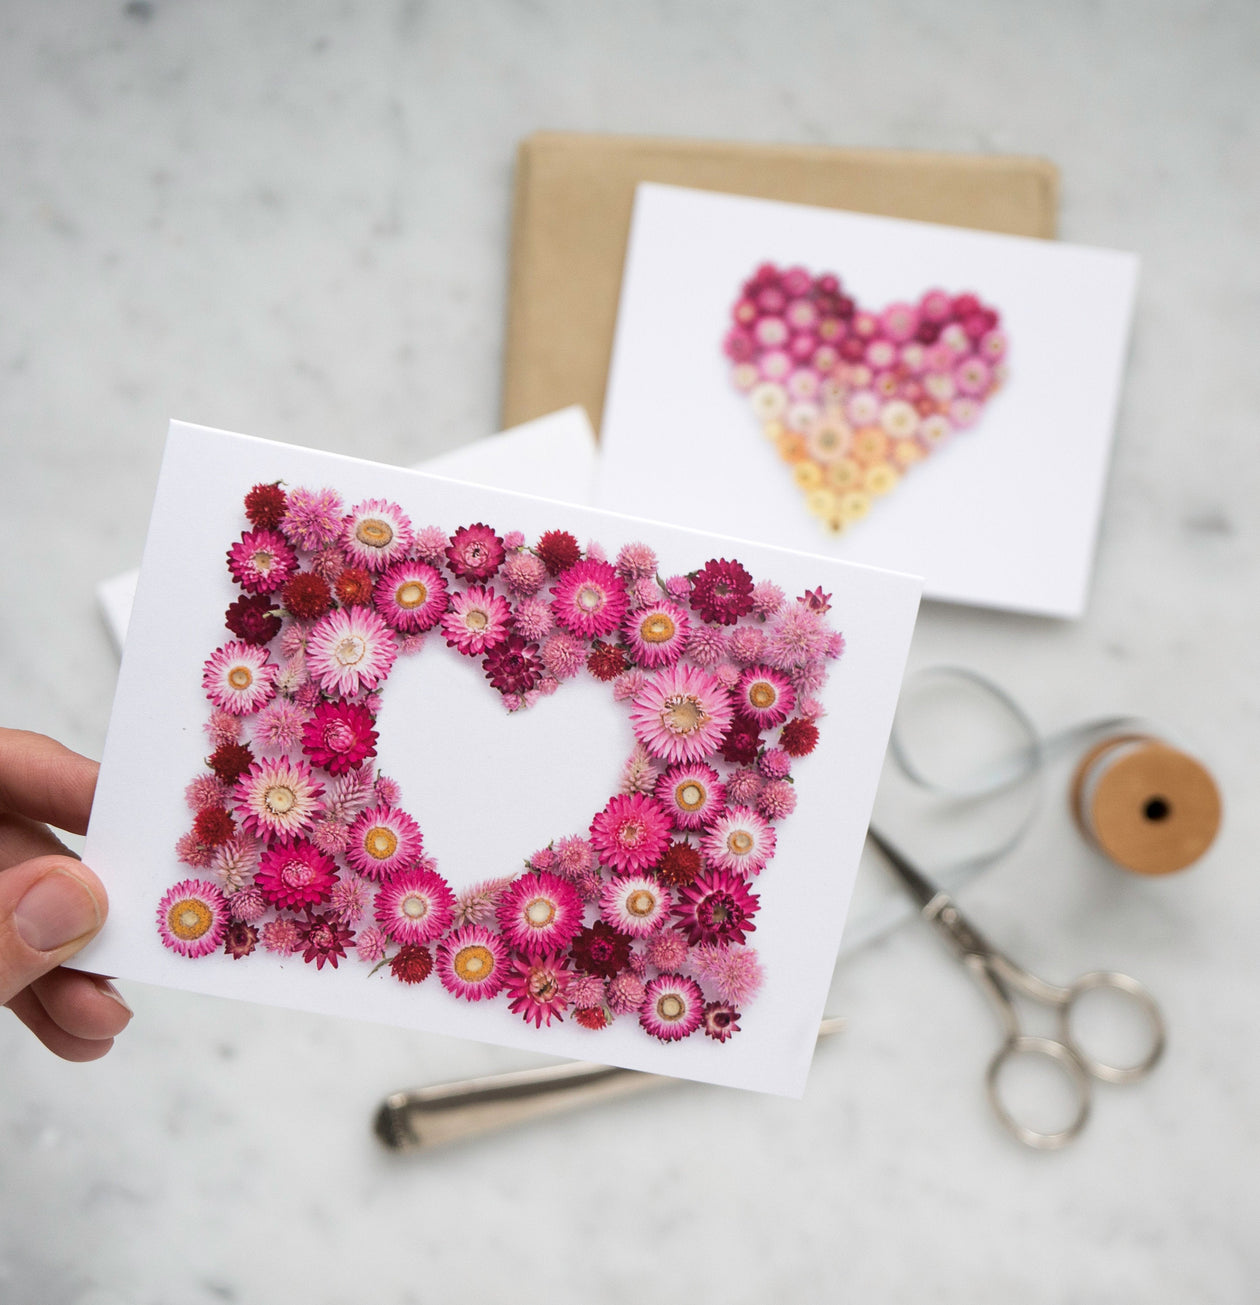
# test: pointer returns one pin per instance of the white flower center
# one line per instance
(411, 595)
(671, 1007)
(683, 714)
(280, 799)
(590, 598)
(540, 912)
(350, 650)
(414, 906)
(239, 677)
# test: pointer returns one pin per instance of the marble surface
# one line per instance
(291, 220)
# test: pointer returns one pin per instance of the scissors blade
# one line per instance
(919, 886)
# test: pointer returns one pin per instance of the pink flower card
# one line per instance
(924, 398)
(400, 748)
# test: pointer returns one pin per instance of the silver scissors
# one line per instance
(998, 975)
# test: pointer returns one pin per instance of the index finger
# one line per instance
(42, 780)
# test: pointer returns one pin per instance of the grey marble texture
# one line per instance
(291, 219)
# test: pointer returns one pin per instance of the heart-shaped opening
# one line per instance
(853, 398)
(624, 887)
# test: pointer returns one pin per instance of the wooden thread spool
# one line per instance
(1146, 806)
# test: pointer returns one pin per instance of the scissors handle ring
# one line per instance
(1067, 1060)
(1132, 989)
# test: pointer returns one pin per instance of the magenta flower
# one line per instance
(278, 799)
(524, 574)
(682, 714)
(295, 876)
(415, 906)
(375, 534)
(192, 917)
(339, 737)
(722, 592)
(740, 841)
(733, 973)
(657, 634)
(513, 666)
(475, 552)
(411, 596)
(383, 841)
(261, 561)
(472, 963)
(590, 599)
(312, 518)
(349, 650)
(238, 678)
(631, 832)
(721, 1020)
(765, 696)
(692, 795)
(476, 620)
(538, 989)
(635, 905)
(323, 939)
(539, 913)
(717, 908)
(673, 1007)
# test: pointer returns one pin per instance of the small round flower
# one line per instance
(411, 596)
(722, 592)
(734, 973)
(513, 666)
(349, 899)
(213, 826)
(798, 738)
(249, 905)
(277, 799)
(354, 587)
(524, 574)
(691, 794)
(774, 763)
(323, 939)
(626, 993)
(415, 906)
(312, 518)
(636, 905)
(680, 865)
(745, 644)
(240, 939)
(600, 950)
(721, 1020)
(282, 937)
(264, 505)
(743, 786)
(558, 551)
(411, 963)
(205, 791)
(682, 714)
(636, 562)
(673, 1007)
(718, 908)
(384, 841)
(590, 599)
(606, 660)
(222, 727)
(539, 913)
(742, 743)
(278, 727)
(192, 918)
(376, 533)
(238, 678)
(295, 876)
(631, 832)
(799, 636)
(261, 561)
(339, 736)
(538, 989)
(739, 841)
(777, 800)
(307, 596)
(371, 943)
(707, 645)
(667, 950)
(657, 634)
(586, 990)
(472, 963)
(349, 650)
(230, 761)
(253, 619)
(476, 620)
(235, 863)
(475, 552)
(765, 696)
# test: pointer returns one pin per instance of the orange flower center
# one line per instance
(540, 912)
(239, 677)
(474, 963)
(762, 694)
(374, 533)
(740, 841)
(380, 843)
(410, 595)
(641, 903)
(189, 919)
(690, 796)
(658, 628)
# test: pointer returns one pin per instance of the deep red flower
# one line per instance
(591, 1017)
(324, 939)
(213, 826)
(799, 737)
(339, 737)
(412, 963)
(264, 505)
(241, 939)
(252, 618)
(722, 591)
(680, 865)
(230, 761)
(307, 596)
(558, 550)
(742, 742)
(353, 587)
(606, 660)
(475, 552)
(600, 949)
(513, 665)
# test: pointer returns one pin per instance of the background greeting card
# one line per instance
(925, 398)
(406, 749)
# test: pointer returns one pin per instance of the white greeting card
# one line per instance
(925, 398)
(400, 748)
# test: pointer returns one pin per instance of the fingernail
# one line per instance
(55, 911)
(107, 989)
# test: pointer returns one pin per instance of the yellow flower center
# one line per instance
(690, 796)
(189, 919)
(641, 903)
(762, 694)
(671, 1007)
(239, 677)
(414, 906)
(739, 841)
(658, 628)
(380, 842)
(280, 799)
(474, 963)
(350, 651)
(683, 714)
(410, 595)
(374, 532)
(540, 912)
(476, 619)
